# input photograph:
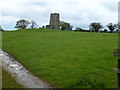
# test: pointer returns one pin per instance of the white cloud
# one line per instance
(77, 12)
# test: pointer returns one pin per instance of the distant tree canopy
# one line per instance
(111, 27)
(105, 30)
(1, 29)
(43, 26)
(65, 26)
(22, 24)
(78, 29)
(118, 25)
(81, 30)
(95, 26)
(33, 24)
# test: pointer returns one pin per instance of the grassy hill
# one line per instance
(65, 58)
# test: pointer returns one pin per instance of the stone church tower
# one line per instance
(54, 21)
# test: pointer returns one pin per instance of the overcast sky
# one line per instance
(80, 13)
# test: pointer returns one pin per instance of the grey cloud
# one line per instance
(111, 6)
(38, 3)
(80, 13)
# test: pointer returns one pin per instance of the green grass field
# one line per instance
(8, 81)
(65, 59)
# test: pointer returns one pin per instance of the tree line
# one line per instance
(97, 27)
(23, 24)
(93, 27)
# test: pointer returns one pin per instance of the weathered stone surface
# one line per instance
(54, 21)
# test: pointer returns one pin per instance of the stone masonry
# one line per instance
(54, 21)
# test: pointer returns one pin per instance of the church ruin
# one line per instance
(54, 21)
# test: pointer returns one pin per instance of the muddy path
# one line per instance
(21, 75)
